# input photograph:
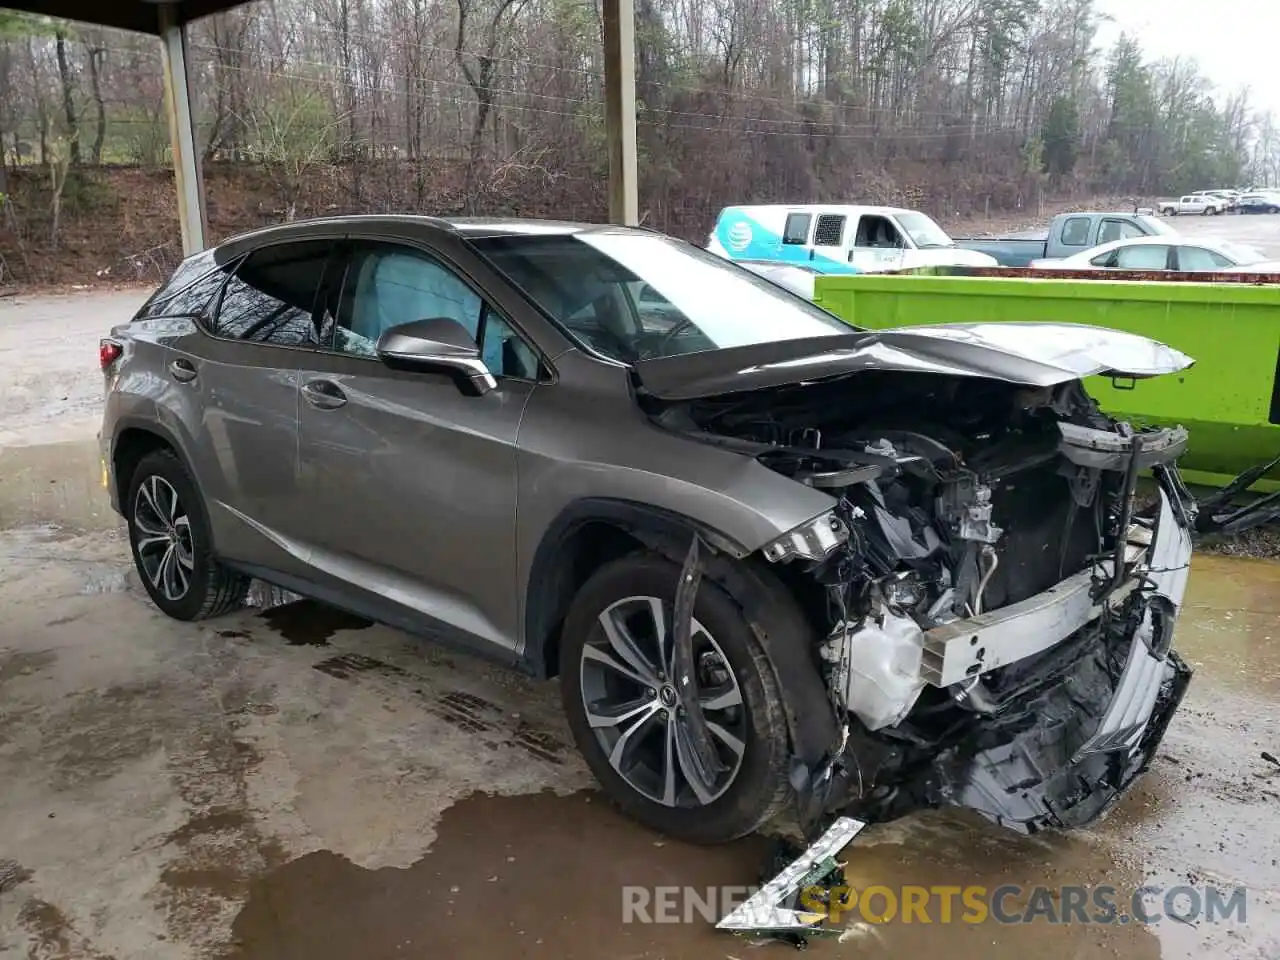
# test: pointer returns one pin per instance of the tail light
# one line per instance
(108, 352)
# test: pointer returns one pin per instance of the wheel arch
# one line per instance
(133, 439)
(592, 531)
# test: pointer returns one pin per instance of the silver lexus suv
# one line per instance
(772, 558)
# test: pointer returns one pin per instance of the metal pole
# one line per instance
(186, 158)
(620, 109)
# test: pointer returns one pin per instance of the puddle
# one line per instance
(1230, 625)
(545, 876)
(57, 483)
(307, 623)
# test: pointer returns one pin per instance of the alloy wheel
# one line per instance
(632, 706)
(162, 538)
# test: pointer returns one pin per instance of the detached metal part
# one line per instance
(965, 506)
(1108, 450)
(1217, 514)
(771, 909)
(957, 651)
(815, 539)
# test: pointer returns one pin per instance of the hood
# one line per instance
(1032, 354)
(952, 257)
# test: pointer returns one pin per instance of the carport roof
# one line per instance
(140, 15)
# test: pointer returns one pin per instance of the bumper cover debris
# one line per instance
(771, 910)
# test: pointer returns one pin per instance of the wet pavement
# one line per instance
(304, 784)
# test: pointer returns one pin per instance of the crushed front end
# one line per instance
(998, 594)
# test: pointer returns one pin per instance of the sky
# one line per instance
(1237, 42)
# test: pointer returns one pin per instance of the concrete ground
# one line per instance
(302, 784)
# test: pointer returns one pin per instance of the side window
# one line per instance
(187, 292)
(505, 353)
(829, 231)
(195, 299)
(1147, 256)
(797, 228)
(1075, 232)
(388, 284)
(1108, 259)
(879, 232)
(1198, 258)
(271, 296)
(1117, 230)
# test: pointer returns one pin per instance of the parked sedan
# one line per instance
(1259, 203)
(771, 558)
(1164, 253)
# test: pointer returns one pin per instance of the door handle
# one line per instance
(182, 371)
(323, 394)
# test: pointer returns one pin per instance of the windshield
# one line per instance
(633, 296)
(923, 231)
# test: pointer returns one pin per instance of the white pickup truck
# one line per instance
(1193, 203)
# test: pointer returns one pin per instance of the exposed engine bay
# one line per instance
(997, 612)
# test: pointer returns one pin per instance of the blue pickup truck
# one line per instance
(1068, 233)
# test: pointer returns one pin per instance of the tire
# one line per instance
(755, 788)
(167, 519)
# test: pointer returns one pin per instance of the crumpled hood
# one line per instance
(1033, 354)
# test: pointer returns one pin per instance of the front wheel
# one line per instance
(171, 544)
(619, 689)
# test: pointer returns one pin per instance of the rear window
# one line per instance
(187, 292)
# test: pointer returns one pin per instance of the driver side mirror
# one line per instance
(437, 345)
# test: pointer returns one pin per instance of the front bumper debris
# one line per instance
(1064, 750)
(771, 910)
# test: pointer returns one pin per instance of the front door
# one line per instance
(409, 483)
(878, 245)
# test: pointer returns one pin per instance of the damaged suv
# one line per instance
(771, 558)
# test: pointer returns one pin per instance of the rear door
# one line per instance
(1199, 259)
(1145, 256)
(410, 485)
(244, 368)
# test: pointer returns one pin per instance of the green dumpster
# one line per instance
(1230, 400)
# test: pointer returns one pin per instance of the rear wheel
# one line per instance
(619, 692)
(171, 544)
